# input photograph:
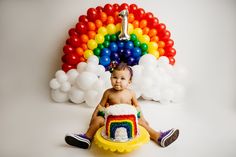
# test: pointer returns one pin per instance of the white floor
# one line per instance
(32, 34)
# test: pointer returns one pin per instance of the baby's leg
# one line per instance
(154, 135)
(95, 124)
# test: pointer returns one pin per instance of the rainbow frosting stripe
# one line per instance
(117, 121)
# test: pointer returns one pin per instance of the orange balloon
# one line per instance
(110, 20)
(80, 51)
(161, 44)
(103, 17)
(91, 26)
(152, 32)
(143, 23)
(82, 59)
(84, 38)
(146, 30)
(136, 24)
(116, 17)
(154, 39)
(161, 51)
(91, 34)
(130, 18)
(84, 46)
(98, 23)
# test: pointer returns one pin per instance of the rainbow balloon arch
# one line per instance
(97, 33)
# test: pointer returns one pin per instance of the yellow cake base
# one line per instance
(121, 147)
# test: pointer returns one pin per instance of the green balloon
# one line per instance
(137, 43)
(144, 47)
(133, 37)
(107, 37)
(113, 37)
(144, 52)
(100, 46)
(106, 44)
(97, 51)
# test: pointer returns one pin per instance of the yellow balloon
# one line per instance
(155, 53)
(138, 32)
(88, 53)
(102, 30)
(99, 38)
(111, 28)
(92, 44)
(152, 46)
(118, 27)
(130, 28)
(144, 39)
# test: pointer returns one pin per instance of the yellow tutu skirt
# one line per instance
(121, 147)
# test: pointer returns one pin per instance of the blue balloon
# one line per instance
(120, 44)
(105, 52)
(131, 61)
(121, 51)
(127, 53)
(136, 52)
(113, 47)
(129, 45)
(104, 60)
(114, 55)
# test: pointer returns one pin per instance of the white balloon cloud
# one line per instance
(153, 79)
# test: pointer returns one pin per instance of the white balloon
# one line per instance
(147, 84)
(167, 95)
(100, 70)
(99, 85)
(54, 84)
(91, 68)
(76, 95)
(81, 67)
(93, 59)
(148, 60)
(72, 75)
(86, 80)
(61, 76)
(163, 60)
(65, 87)
(91, 98)
(59, 96)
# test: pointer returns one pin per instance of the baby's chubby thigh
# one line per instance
(98, 120)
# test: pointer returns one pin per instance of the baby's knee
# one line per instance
(98, 120)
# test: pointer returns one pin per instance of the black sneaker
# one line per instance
(168, 137)
(78, 140)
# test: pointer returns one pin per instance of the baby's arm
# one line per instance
(102, 103)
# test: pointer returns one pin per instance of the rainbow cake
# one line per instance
(121, 123)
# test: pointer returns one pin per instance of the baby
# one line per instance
(119, 94)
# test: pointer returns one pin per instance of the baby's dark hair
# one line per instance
(124, 66)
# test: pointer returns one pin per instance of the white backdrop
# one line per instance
(32, 34)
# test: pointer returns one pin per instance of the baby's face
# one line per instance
(120, 79)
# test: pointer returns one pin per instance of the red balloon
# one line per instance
(123, 6)
(169, 43)
(170, 52)
(108, 8)
(153, 22)
(139, 13)
(71, 59)
(81, 28)
(133, 8)
(165, 35)
(116, 7)
(92, 14)
(161, 27)
(148, 16)
(74, 41)
(68, 49)
(171, 60)
(99, 9)
(65, 67)
(72, 32)
(83, 18)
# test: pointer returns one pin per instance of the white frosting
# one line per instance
(120, 109)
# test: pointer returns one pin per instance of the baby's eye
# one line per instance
(122, 78)
(114, 77)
